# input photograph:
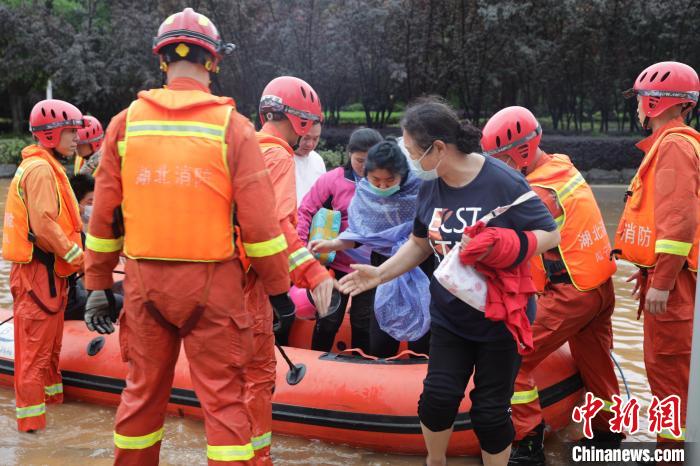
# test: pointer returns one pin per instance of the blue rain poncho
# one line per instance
(383, 224)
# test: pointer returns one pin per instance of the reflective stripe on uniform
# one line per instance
(570, 186)
(55, 389)
(521, 398)
(230, 452)
(677, 248)
(607, 406)
(72, 253)
(126, 442)
(266, 248)
(103, 244)
(298, 257)
(121, 148)
(261, 441)
(559, 221)
(668, 435)
(31, 411)
(175, 128)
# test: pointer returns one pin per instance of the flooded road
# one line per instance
(82, 433)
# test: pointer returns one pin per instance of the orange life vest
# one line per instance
(16, 243)
(78, 164)
(177, 193)
(636, 238)
(585, 246)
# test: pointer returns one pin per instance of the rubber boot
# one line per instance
(530, 450)
(603, 439)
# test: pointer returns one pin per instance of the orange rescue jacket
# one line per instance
(18, 239)
(304, 269)
(636, 237)
(178, 202)
(585, 246)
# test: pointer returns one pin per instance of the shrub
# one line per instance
(332, 158)
(11, 149)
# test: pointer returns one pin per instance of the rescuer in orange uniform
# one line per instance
(89, 142)
(659, 228)
(574, 280)
(289, 107)
(178, 167)
(41, 237)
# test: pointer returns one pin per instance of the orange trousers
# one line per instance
(584, 319)
(667, 344)
(38, 335)
(218, 348)
(260, 375)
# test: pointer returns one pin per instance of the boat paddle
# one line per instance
(296, 371)
(7, 320)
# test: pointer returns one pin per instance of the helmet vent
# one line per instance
(65, 115)
(498, 141)
(510, 135)
(312, 96)
(517, 125)
(53, 114)
(303, 91)
(653, 77)
(641, 78)
(43, 111)
(663, 78)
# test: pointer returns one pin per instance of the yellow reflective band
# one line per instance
(72, 253)
(607, 406)
(175, 128)
(230, 452)
(559, 221)
(677, 248)
(298, 257)
(668, 435)
(31, 411)
(570, 186)
(261, 441)
(138, 443)
(266, 248)
(521, 398)
(52, 390)
(121, 148)
(103, 244)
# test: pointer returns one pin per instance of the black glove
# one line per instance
(101, 311)
(284, 314)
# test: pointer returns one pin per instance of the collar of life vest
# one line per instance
(646, 143)
(183, 94)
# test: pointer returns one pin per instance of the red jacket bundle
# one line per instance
(506, 268)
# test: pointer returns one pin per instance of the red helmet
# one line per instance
(190, 27)
(664, 85)
(295, 99)
(50, 117)
(513, 131)
(93, 134)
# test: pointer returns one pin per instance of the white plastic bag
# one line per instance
(464, 281)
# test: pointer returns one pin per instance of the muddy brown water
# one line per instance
(82, 433)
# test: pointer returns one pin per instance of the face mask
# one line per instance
(384, 192)
(426, 175)
(87, 212)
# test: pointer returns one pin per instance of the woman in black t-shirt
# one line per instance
(460, 187)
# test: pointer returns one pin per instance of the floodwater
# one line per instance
(82, 433)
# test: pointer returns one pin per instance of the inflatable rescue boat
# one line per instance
(337, 398)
